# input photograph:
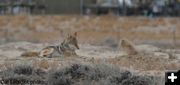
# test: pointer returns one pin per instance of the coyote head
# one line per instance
(72, 40)
(128, 46)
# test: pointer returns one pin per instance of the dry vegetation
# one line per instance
(94, 29)
(100, 61)
(78, 74)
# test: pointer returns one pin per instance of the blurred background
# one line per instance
(97, 7)
(100, 22)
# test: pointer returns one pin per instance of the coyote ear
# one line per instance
(75, 34)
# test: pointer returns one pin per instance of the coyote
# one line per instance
(67, 47)
(127, 46)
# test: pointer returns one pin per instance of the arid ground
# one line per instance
(156, 39)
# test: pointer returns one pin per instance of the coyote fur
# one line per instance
(128, 47)
(67, 47)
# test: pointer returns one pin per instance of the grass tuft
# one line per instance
(78, 74)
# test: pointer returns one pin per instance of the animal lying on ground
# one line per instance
(67, 47)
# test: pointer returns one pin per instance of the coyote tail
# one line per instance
(30, 54)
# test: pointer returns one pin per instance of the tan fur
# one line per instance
(46, 51)
(30, 54)
(71, 39)
(128, 47)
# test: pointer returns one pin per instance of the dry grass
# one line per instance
(44, 64)
(78, 74)
(145, 63)
(90, 29)
(106, 30)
